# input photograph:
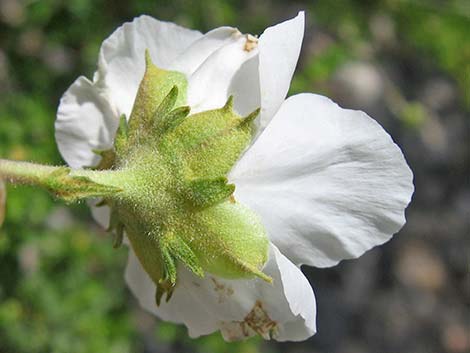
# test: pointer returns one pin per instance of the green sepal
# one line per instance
(108, 158)
(167, 103)
(172, 120)
(169, 266)
(122, 135)
(208, 192)
(118, 235)
(249, 119)
(167, 283)
(178, 249)
(72, 188)
(163, 287)
(115, 226)
(209, 143)
(154, 88)
(228, 239)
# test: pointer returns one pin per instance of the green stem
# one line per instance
(17, 172)
(63, 182)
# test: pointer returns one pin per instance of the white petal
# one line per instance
(85, 121)
(122, 64)
(209, 85)
(263, 81)
(211, 304)
(245, 87)
(193, 56)
(328, 183)
(279, 49)
(101, 214)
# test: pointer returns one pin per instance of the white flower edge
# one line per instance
(328, 183)
(284, 310)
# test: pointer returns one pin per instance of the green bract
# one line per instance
(175, 202)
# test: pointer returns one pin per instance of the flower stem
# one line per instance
(18, 172)
(67, 184)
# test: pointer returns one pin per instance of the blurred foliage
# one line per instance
(61, 283)
(441, 31)
(432, 32)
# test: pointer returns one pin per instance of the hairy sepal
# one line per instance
(154, 87)
(177, 206)
(208, 144)
(69, 187)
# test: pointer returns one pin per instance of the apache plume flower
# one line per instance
(221, 188)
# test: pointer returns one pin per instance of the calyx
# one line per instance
(174, 201)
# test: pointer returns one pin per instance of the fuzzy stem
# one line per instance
(18, 172)
(63, 182)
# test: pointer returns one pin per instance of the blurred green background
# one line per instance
(407, 63)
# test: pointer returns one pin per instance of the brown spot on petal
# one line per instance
(256, 322)
(233, 331)
(251, 43)
(222, 290)
(259, 320)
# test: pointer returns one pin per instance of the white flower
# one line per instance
(328, 183)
